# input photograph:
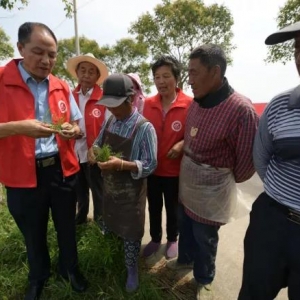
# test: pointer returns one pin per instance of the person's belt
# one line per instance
(47, 161)
(292, 214)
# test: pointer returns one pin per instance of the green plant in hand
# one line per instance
(57, 123)
(54, 121)
(103, 153)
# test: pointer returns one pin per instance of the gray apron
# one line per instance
(124, 198)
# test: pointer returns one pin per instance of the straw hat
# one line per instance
(73, 62)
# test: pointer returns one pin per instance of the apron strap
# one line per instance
(137, 127)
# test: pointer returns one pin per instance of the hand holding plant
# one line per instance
(102, 154)
(68, 130)
(113, 164)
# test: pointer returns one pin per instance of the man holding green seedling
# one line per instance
(130, 140)
(90, 72)
(38, 164)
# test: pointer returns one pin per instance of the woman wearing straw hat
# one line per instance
(90, 73)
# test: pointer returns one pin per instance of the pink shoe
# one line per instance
(172, 249)
(151, 248)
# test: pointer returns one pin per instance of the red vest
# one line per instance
(169, 130)
(17, 153)
(94, 115)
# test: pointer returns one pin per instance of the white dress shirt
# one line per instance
(81, 147)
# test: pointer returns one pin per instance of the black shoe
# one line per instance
(34, 291)
(78, 282)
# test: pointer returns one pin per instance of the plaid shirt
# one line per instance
(222, 136)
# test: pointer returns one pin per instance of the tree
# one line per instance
(6, 49)
(125, 56)
(66, 50)
(128, 56)
(10, 4)
(288, 14)
(177, 27)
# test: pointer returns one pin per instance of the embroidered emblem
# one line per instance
(96, 113)
(62, 106)
(194, 131)
(176, 125)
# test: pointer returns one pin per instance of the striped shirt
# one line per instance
(276, 150)
(144, 148)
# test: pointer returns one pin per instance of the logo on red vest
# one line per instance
(96, 113)
(176, 126)
(62, 106)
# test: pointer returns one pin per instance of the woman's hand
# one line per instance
(91, 156)
(176, 150)
(113, 164)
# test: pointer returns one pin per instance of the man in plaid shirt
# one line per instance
(218, 141)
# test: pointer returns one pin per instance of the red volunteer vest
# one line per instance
(17, 153)
(94, 115)
(169, 130)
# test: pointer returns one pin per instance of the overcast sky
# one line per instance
(108, 20)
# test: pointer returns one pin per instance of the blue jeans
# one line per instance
(198, 243)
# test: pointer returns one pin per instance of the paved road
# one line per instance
(230, 251)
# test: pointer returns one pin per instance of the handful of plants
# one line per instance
(103, 153)
(57, 123)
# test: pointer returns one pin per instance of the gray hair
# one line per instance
(210, 55)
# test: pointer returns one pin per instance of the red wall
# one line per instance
(259, 107)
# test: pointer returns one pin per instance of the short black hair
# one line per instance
(170, 61)
(25, 31)
(211, 55)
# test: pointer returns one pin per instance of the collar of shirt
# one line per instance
(128, 121)
(88, 93)
(25, 75)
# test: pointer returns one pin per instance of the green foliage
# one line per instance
(125, 56)
(68, 8)
(288, 14)
(128, 56)
(10, 4)
(6, 49)
(66, 50)
(177, 27)
(101, 260)
(103, 153)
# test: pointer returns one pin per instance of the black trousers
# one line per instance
(30, 209)
(160, 188)
(89, 177)
(272, 253)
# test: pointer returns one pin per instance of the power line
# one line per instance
(85, 4)
(65, 19)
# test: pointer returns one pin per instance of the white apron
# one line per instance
(209, 192)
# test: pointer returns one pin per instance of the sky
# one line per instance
(108, 20)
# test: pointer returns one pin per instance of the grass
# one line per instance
(101, 260)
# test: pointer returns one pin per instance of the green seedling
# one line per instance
(57, 123)
(103, 153)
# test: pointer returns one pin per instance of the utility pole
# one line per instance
(77, 47)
